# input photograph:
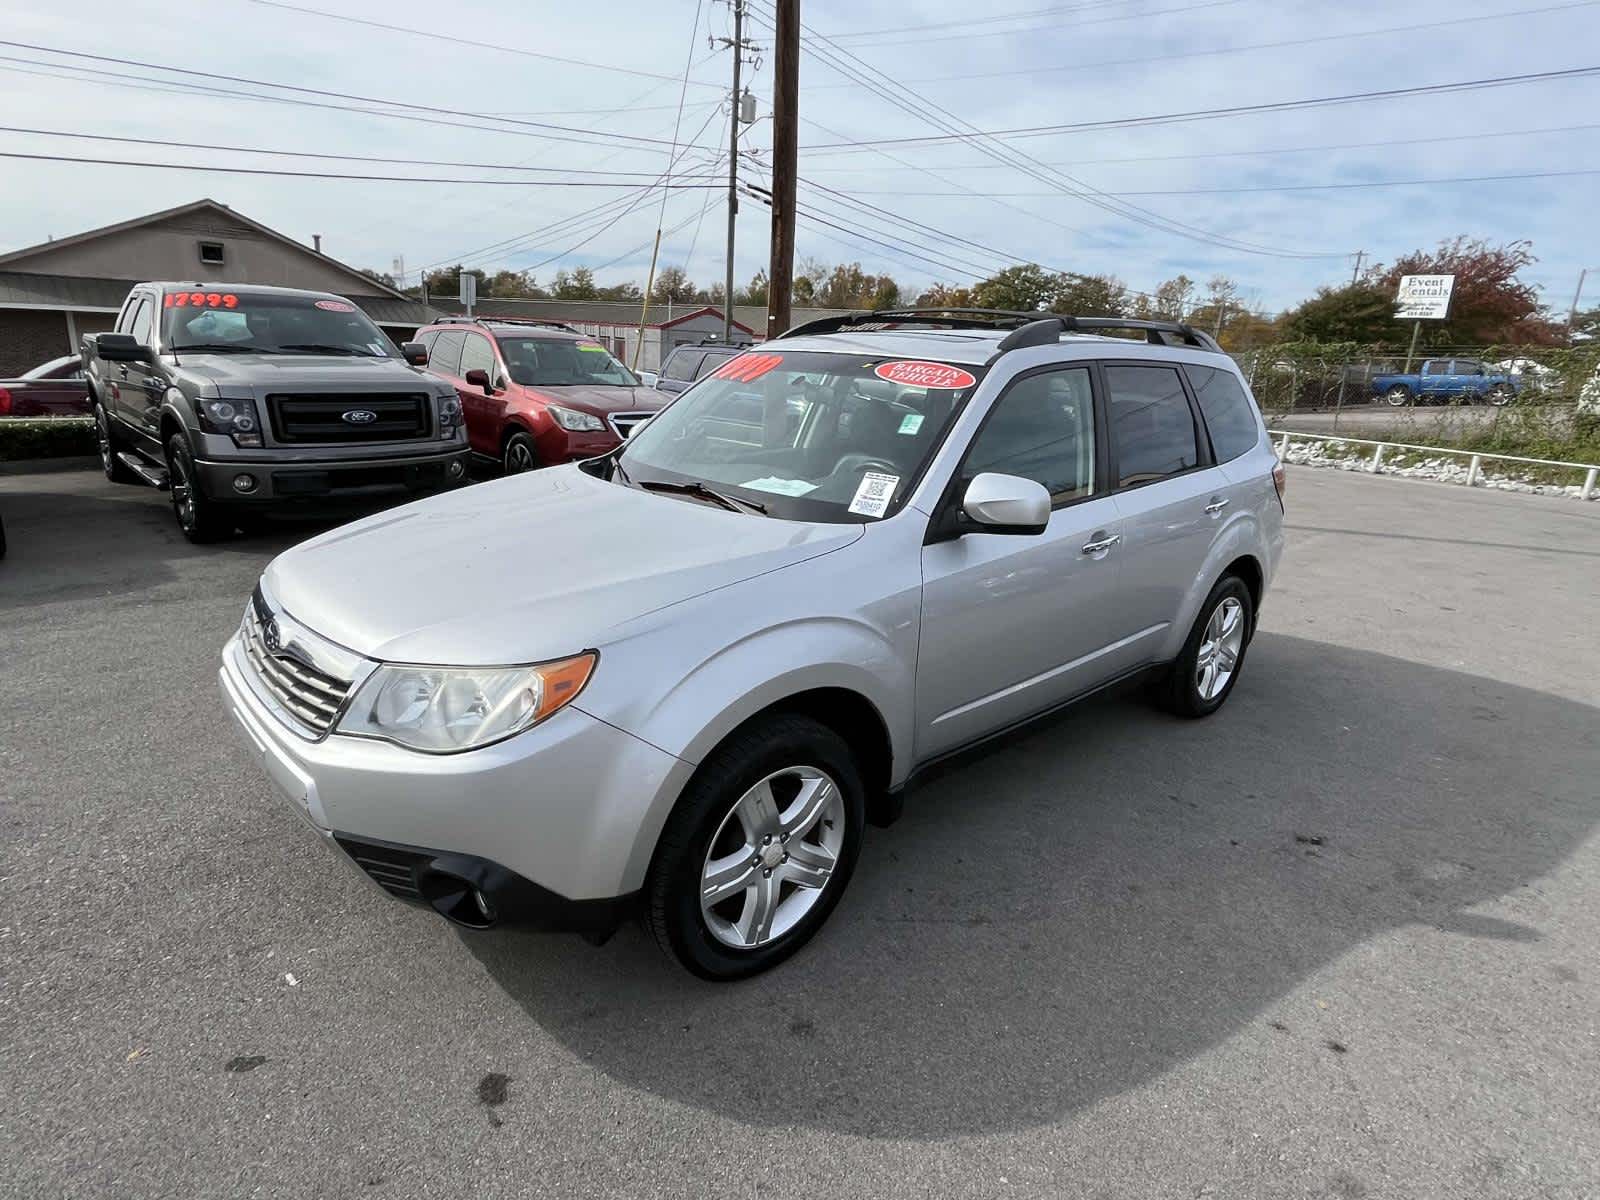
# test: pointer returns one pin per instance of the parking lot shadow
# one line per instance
(1089, 906)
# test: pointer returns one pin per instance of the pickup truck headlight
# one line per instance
(574, 421)
(449, 416)
(442, 710)
(236, 418)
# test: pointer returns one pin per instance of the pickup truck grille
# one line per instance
(622, 424)
(312, 697)
(318, 417)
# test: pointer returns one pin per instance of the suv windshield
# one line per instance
(810, 436)
(270, 323)
(561, 362)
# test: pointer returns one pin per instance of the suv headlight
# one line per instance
(442, 710)
(574, 421)
(236, 418)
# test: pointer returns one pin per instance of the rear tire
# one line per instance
(106, 441)
(199, 517)
(1500, 395)
(784, 785)
(1397, 397)
(1212, 658)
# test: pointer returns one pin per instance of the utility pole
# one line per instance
(1577, 296)
(1356, 274)
(785, 165)
(733, 165)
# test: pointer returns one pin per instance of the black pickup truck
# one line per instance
(247, 401)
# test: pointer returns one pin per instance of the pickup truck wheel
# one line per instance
(1500, 395)
(106, 441)
(198, 515)
(758, 850)
(520, 455)
(1398, 396)
(1209, 664)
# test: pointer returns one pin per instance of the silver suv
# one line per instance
(679, 679)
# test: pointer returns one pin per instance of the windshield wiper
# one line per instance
(320, 348)
(696, 488)
(218, 348)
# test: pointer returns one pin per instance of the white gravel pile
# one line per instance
(1346, 457)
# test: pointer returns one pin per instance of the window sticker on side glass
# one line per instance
(780, 487)
(910, 423)
(874, 493)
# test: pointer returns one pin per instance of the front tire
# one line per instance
(1397, 397)
(106, 442)
(1207, 668)
(520, 455)
(1500, 395)
(199, 517)
(758, 850)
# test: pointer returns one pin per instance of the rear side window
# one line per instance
(446, 354)
(1226, 407)
(1437, 367)
(711, 363)
(429, 338)
(1152, 426)
(477, 355)
(681, 365)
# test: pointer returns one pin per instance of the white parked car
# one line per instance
(677, 680)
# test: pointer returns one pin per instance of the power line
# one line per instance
(1293, 187)
(1046, 27)
(587, 134)
(434, 35)
(1263, 153)
(693, 185)
(1208, 114)
(364, 158)
(851, 35)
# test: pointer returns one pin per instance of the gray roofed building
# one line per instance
(55, 291)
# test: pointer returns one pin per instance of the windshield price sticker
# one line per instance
(748, 367)
(200, 300)
(335, 306)
(931, 375)
(874, 493)
(592, 347)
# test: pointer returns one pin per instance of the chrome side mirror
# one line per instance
(1006, 504)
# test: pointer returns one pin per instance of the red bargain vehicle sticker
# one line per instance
(200, 300)
(336, 306)
(931, 375)
(748, 367)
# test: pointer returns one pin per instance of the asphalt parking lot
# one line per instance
(1340, 940)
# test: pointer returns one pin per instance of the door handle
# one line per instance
(1104, 543)
(1216, 506)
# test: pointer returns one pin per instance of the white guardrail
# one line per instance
(1283, 437)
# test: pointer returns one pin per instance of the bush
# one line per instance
(46, 437)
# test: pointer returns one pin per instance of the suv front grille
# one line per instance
(318, 417)
(312, 697)
(622, 424)
(395, 871)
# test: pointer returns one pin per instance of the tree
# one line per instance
(579, 285)
(808, 280)
(514, 285)
(849, 286)
(755, 292)
(1171, 298)
(1359, 312)
(941, 295)
(1025, 288)
(672, 286)
(446, 281)
(1489, 304)
(1090, 296)
(382, 277)
(621, 291)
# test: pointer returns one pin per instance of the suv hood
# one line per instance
(525, 569)
(602, 400)
(272, 372)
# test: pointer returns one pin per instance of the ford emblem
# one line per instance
(359, 416)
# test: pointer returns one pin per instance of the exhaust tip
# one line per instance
(457, 900)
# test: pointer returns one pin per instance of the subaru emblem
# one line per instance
(359, 416)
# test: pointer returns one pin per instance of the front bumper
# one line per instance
(353, 482)
(571, 808)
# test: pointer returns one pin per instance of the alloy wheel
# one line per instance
(1220, 648)
(182, 489)
(772, 857)
(519, 457)
(102, 436)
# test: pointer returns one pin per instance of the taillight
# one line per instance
(1279, 480)
(5, 403)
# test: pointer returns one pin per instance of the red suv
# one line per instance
(536, 393)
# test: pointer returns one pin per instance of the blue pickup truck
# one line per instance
(1448, 381)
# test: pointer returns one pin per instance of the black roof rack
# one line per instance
(505, 321)
(1027, 328)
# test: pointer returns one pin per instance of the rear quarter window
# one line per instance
(1229, 414)
(681, 365)
(712, 362)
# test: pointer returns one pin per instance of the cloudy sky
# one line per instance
(589, 94)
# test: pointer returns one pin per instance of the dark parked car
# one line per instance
(536, 393)
(686, 364)
(248, 402)
(52, 389)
